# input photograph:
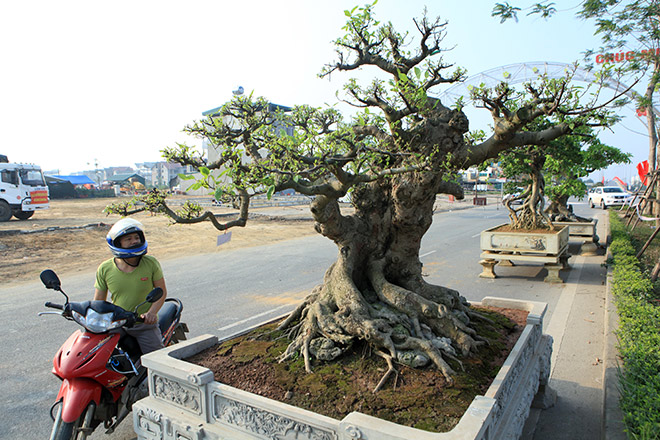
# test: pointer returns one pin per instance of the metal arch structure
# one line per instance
(522, 72)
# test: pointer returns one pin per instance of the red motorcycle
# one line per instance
(100, 369)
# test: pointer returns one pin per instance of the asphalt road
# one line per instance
(228, 291)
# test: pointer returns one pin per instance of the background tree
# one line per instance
(630, 34)
(554, 171)
(580, 156)
(395, 155)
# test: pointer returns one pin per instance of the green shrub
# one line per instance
(639, 338)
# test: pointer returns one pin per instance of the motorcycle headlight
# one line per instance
(97, 322)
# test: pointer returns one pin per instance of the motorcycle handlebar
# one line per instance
(54, 306)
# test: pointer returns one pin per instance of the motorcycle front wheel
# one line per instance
(77, 430)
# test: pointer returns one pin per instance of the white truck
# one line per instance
(23, 190)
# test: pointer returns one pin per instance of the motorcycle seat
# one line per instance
(167, 315)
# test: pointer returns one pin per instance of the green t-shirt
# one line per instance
(127, 290)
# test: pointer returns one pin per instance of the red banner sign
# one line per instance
(625, 56)
(39, 197)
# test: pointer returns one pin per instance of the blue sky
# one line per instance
(115, 82)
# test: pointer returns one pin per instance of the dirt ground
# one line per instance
(24, 255)
(43, 242)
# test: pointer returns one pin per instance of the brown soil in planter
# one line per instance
(420, 398)
(509, 228)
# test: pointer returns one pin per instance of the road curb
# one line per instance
(612, 417)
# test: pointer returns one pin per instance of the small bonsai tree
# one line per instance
(562, 162)
(579, 156)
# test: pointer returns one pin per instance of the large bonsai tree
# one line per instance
(394, 156)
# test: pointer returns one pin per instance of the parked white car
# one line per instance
(604, 196)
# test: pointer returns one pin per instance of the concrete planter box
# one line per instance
(585, 231)
(542, 243)
(186, 403)
(549, 248)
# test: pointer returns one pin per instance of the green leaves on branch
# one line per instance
(505, 11)
(185, 176)
(190, 210)
(153, 201)
(270, 191)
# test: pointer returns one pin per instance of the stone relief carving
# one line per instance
(149, 424)
(546, 355)
(186, 397)
(353, 432)
(521, 412)
(512, 382)
(536, 243)
(265, 423)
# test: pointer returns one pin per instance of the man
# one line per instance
(129, 276)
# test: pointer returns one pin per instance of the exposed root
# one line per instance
(298, 312)
(416, 327)
(305, 351)
(390, 370)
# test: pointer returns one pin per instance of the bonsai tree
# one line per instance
(564, 161)
(580, 156)
(394, 156)
(525, 164)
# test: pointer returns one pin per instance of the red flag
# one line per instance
(643, 170)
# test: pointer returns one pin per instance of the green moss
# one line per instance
(247, 352)
(226, 346)
(416, 397)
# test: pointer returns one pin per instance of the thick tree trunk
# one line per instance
(375, 290)
(531, 215)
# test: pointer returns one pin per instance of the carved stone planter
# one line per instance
(185, 403)
(505, 247)
(585, 231)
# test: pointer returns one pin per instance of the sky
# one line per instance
(89, 84)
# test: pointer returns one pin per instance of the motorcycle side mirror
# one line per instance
(50, 280)
(154, 295)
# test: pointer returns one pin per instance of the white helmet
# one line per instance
(123, 227)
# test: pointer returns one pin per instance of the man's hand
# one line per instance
(150, 317)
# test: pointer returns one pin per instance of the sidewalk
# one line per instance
(583, 371)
